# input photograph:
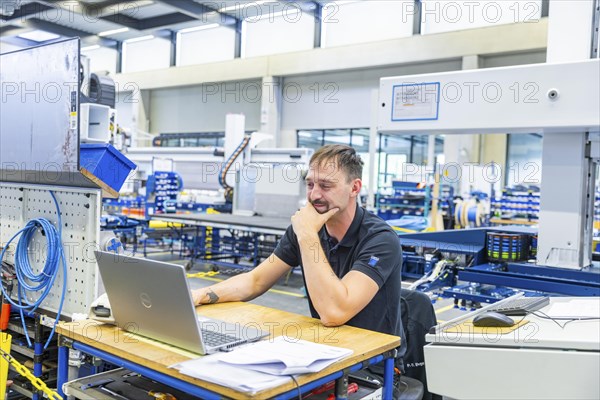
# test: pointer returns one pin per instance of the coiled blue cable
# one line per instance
(27, 279)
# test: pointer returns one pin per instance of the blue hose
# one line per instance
(27, 279)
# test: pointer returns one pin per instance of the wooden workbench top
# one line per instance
(159, 356)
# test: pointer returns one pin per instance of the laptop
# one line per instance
(153, 299)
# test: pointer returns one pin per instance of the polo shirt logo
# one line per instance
(373, 261)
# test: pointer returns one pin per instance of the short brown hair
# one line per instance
(343, 156)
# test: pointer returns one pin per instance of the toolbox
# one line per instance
(121, 384)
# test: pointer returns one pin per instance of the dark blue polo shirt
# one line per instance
(372, 247)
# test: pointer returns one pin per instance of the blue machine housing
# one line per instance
(470, 246)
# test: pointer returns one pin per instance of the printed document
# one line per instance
(264, 364)
(286, 356)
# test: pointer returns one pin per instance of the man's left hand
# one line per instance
(307, 221)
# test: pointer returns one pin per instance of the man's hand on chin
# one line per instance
(307, 220)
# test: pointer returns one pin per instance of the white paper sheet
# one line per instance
(262, 365)
(211, 369)
(588, 307)
(286, 356)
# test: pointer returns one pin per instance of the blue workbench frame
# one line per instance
(63, 358)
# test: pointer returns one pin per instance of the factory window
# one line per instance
(337, 136)
(101, 58)
(524, 160)
(315, 138)
(312, 139)
(439, 16)
(135, 54)
(393, 151)
(203, 45)
(195, 139)
(360, 140)
(376, 20)
(286, 30)
(397, 151)
(357, 138)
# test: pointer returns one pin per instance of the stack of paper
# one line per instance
(264, 364)
(285, 356)
(211, 369)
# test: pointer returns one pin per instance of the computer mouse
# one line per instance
(493, 319)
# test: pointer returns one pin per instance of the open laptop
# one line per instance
(153, 299)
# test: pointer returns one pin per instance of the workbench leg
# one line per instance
(63, 368)
(38, 353)
(388, 379)
(341, 388)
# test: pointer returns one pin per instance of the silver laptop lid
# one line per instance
(151, 298)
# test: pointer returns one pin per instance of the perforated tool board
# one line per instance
(80, 212)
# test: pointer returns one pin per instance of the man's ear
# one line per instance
(356, 187)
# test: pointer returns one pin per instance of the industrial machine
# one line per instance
(563, 105)
(239, 173)
(261, 186)
(56, 167)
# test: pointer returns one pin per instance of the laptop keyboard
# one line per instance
(521, 306)
(212, 338)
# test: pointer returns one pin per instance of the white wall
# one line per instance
(365, 21)
(102, 59)
(126, 103)
(505, 60)
(204, 46)
(418, 49)
(443, 16)
(266, 35)
(203, 108)
(323, 88)
(146, 55)
(341, 100)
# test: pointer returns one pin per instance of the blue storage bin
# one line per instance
(106, 163)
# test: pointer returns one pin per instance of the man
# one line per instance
(351, 259)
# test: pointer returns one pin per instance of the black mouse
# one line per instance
(493, 319)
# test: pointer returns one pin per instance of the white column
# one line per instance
(470, 62)
(373, 133)
(463, 149)
(235, 127)
(270, 108)
(565, 227)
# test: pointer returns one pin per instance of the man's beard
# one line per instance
(320, 203)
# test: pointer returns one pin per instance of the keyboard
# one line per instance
(212, 338)
(521, 306)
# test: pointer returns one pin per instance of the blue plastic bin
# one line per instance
(106, 163)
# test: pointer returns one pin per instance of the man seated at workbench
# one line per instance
(351, 259)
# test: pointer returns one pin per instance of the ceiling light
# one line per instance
(39, 36)
(344, 2)
(113, 32)
(139, 39)
(143, 3)
(199, 28)
(92, 47)
(239, 6)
